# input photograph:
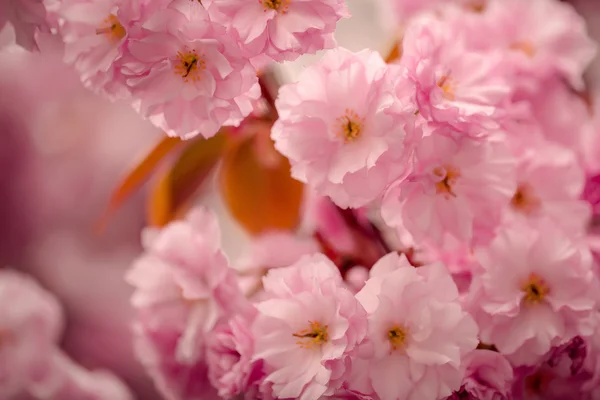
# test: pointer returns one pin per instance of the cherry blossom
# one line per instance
(418, 332)
(312, 319)
(533, 292)
(342, 129)
(192, 80)
(280, 29)
(457, 186)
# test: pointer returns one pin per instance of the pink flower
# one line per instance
(280, 29)
(27, 18)
(454, 85)
(184, 283)
(229, 352)
(562, 115)
(549, 185)
(96, 33)
(307, 329)
(344, 131)
(418, 332)
(489, 376)
(191, 79)
(157, 350)
(31, 322)
(458, 186)
(533, 47)
(533, 292)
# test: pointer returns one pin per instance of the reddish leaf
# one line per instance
(137, 177)
(257, 186)
(173, 192)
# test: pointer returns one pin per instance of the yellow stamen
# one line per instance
(524, 46)
(314, 336)
(525, 200)
(112, 29)
(280, 6)
(446, 83)
(350, 126)
(189, 65)
(397, 337)
(449, 175)
(535, 289)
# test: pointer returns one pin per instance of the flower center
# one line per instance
(280, 6)
(524, 200)
(446, 83)
(525, 47)
(189, 65)
(349, 126)
(315, 335)
(535, 289)
(397, 337)
(449, 175)
(112, 29)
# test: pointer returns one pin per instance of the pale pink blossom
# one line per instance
(562, 115)
(27, 18)
(550, 184)
(533, 291)
(346, 134)
(96, 33)
(489, 376)
(454, 84)
(418, 333)
(229, 352)
(184, 279)
(190, 79)
(457, 186)
(31, 323)
(307, 329)
(280, 29)
(157, 349)
(540, 39)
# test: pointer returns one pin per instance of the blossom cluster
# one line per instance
(187, 66)
(448, 246)
(477, 148)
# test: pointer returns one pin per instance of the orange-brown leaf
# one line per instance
(174, 191)
(138, 176)
(395, 52)
(260, 195)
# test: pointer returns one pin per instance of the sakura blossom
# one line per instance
(418, 332)
(454, 85)
(535, 48)
(533, 292)
(458, 186)
(311, 318)
(189, 81)
(280, 29)
(342, 130)
(537, 197)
